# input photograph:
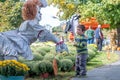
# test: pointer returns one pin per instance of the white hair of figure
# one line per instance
(99, 26)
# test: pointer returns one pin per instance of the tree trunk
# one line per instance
(118, 35)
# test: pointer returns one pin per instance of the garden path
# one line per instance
(107, 72)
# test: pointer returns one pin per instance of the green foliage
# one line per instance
(106, 11)
(49, 57)
(11, 0)
(92, 51)
(71, 57)
(49, 66)
(66, 65)
(46, 49)
(37, 57)
(112, 12)
(32, 66)
(13, 68)
(21, 59)
(57, 29)
(10, 15)
(38, 50)
(43, 67)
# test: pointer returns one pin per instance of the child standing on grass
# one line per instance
(82, 51)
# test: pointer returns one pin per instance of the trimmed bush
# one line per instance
(31, 65)
(49, 57)
(49, 67)
(71, 57)
(46, 49)
(43, 67)
(66, 65)
(37, 56)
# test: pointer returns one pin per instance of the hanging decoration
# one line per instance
(93, 23)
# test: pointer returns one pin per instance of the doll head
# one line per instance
(29, 9)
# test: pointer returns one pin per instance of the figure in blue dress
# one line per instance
(17, 42)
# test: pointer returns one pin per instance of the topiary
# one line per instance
(31, 65)
(49, 67)
(46, 49)
(37, 56)
(49, 57)
(41, 67)
(71, 57)
(44, 66)
(66, 65)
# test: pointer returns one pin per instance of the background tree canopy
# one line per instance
(10, 15)
(105, 11)
(12, 0)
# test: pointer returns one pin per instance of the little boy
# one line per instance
(82, 51)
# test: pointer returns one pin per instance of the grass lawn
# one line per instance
(99, 60)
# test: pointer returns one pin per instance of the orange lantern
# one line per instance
(93, 23)
(105, 26)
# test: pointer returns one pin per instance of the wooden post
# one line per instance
(108, 55)
(55, 67)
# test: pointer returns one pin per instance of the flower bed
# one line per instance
(12, 68)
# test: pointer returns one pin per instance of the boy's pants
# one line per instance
(90, 41)
(80, 64)
(99, 44)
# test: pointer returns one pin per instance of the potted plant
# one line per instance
(12, 70)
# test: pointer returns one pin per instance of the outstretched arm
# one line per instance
(45, 35)
(44, 3)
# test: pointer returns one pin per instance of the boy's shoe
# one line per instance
(76, 75)
(83, 75)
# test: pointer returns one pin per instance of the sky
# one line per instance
(47, 16)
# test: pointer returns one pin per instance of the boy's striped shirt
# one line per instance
(81, 44)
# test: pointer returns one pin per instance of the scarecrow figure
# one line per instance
(17, 42)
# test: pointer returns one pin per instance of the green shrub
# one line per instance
(40, 67)
(46, 49)
(42, 52)
(71, 57)
(49, 67)
(43, 67)
(91, 54)
(92, 51)
(66, 65)
(58, 58)
(10, 15)
(37, 56)
(49, 57)
(21, 59)
(31, 65)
